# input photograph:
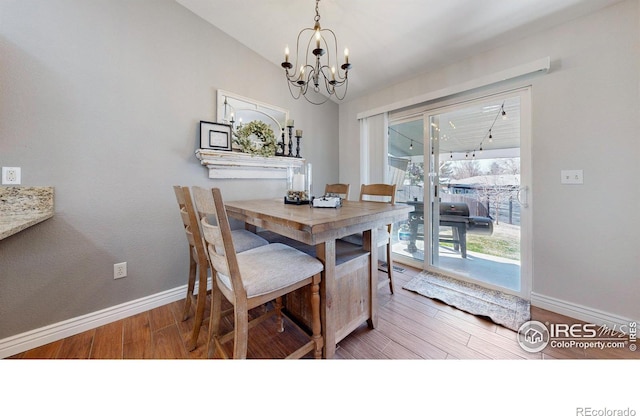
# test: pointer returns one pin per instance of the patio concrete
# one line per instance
(496, 271)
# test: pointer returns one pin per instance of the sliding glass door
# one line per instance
(472, 212)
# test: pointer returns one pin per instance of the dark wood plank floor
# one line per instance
(411, 327)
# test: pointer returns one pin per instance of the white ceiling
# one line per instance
(389, 41)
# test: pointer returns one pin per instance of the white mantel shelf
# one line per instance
(236, 165)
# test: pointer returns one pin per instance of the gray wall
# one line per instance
(102, 100)
(585, 116)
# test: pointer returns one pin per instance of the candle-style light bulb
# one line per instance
(346, 55)
(286, 54)
(317, 38)
(333, 73)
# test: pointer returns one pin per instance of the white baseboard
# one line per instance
(42, 336)
(583, 313)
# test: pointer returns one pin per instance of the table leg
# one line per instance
(462, 233)
(413, 232)
(455, 233)
(326, 252)
(368, 244)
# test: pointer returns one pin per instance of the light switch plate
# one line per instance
(572, 177)
(11, 176)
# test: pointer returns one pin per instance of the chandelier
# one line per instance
(315, 67)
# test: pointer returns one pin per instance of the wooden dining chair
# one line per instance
(383, 193)
(198, 263)
(253, 278)
(340, 189)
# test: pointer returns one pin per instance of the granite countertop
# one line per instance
(24, 206)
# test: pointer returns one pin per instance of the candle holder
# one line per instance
(298, 185)
(298, 137)
(280, 146)
(290, 141)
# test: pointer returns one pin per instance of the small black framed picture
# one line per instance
(216, 136)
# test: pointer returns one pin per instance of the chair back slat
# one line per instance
(185, 216)
(187, 226)
(190, 222)
(341, 189)
(215, 247)
(217, 236)
(382, 190)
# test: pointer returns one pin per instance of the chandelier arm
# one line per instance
(298, 63)
(297, 82)
(344, 94)
(303, 87)
(335, 77)
(330, 87)
(289, 76)
(328, 77)
(316, 103)
(335, 45)
(311, 76)
(292, 93)
(309, 48)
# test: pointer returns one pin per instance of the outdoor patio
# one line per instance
(491, 269)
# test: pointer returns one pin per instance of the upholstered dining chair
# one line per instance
(382, 193)
(341, 189)
(253, 278)
(198, 263)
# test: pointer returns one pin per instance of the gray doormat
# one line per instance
(504, 309)
(383, 268)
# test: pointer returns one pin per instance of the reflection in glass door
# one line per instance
(475, 181)
(407, 171)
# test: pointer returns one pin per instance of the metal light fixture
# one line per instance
(317, 65)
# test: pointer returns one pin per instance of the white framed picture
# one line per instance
(216, 136)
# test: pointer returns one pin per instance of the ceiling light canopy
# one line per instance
(316, 65)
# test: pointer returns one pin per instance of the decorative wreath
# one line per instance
(246, 136)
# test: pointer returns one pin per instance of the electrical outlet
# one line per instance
(120, 270)
(572, 177)
(11, 176)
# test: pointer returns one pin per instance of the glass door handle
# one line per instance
(523, 196)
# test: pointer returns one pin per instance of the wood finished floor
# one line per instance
(410, 327)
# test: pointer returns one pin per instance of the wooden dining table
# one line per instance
(349, 284)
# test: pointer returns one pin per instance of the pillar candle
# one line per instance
(298, 182)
